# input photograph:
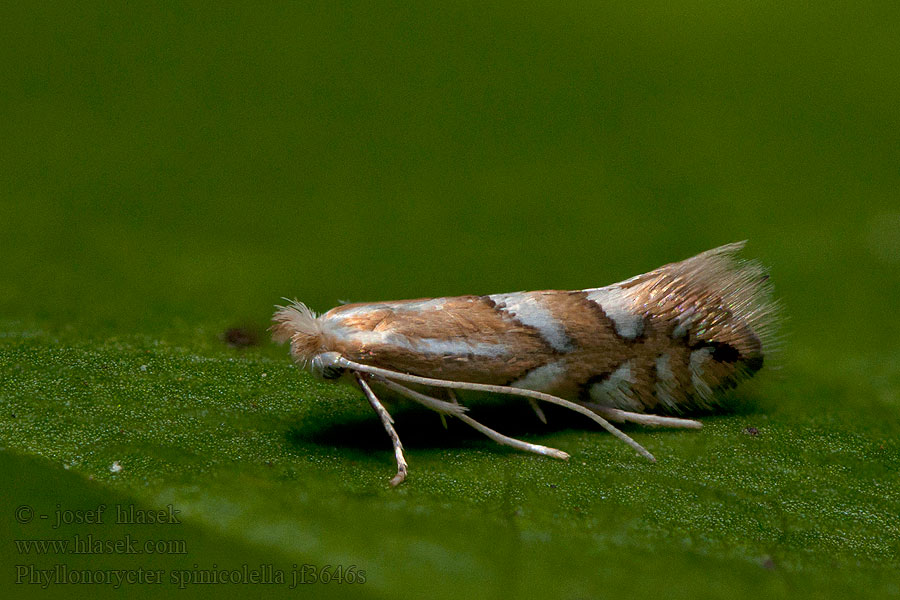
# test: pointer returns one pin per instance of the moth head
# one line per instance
(301, 326)
(326, 365)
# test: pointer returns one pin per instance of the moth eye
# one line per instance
(326, 365)
(332, 372)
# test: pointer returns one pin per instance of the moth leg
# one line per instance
(534, 406)
(494, 435)
(454, 409)
(498, 389)
(452, 395)
(622, 416)
(453, 399)
(387, 421)
(538, 410)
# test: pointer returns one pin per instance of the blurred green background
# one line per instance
(170, 171)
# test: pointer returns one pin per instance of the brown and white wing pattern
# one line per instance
(662, 342)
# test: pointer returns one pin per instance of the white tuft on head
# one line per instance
(302, 327)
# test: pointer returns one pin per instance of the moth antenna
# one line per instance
(496, 389)
(623, 416)
(387, 421)
(492, 434)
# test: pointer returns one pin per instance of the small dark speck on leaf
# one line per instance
(552, 486)
(768, 563)
(240, 337)
(751, 431)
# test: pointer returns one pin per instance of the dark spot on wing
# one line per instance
(584, 389)
(721, 351)
(753, 364)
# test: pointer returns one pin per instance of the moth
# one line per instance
(642, 350)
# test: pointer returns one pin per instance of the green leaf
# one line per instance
(251, 451)
(170, 172)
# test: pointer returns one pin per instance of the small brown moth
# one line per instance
(663, 342)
